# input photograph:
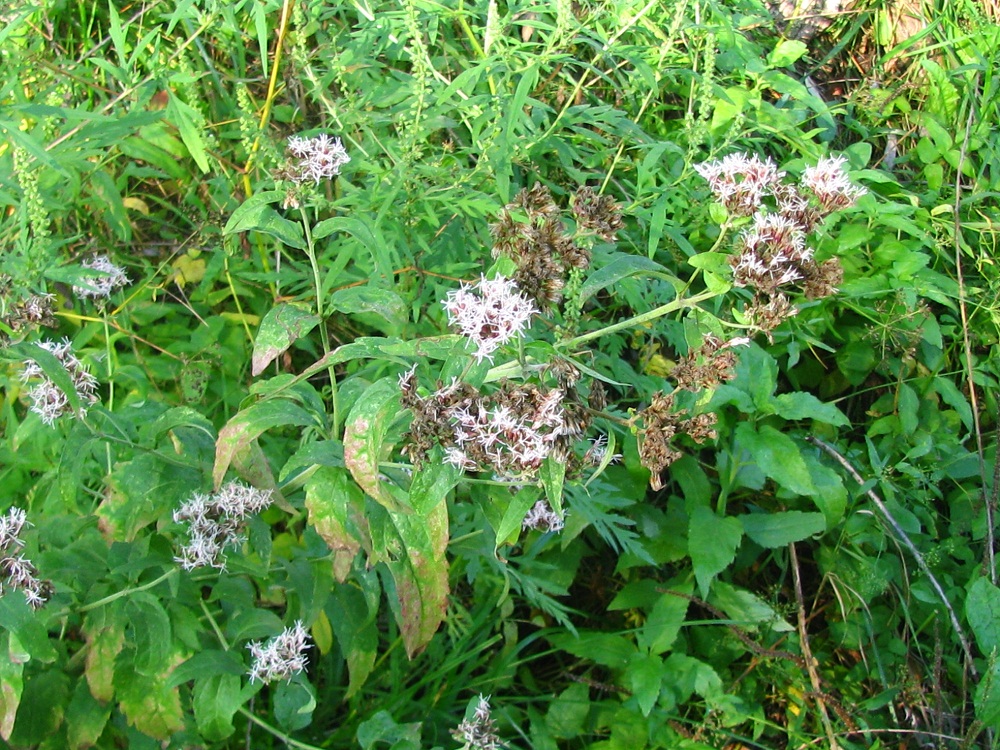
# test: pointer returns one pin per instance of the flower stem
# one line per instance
(658, 312)
(127, 592)
(277, 732)
(318, 283)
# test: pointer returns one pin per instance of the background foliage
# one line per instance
(822, 572)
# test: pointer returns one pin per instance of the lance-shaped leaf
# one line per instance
(281, 327)
(364, 438)
(337, 512)
(238, 434)
(413, 548)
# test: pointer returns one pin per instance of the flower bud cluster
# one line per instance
(772, 254)
(479, 732)
(216, 522)
(101, 287)
(281, 657)
(531, 232)
(490, 313)
(47, 399)
(661, 423)
(17, 571)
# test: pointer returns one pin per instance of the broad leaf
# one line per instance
(982, 609)
(644, 677)
(216, 699)
(11, 685)
(364, 435)
(337, 511)
(664, 621)
(778, 456)
(712, 544)
(779, 529)
(280, 328)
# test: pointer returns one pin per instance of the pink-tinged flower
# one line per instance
(830, 184)
(281, 657)
(17, 571)
(47, 399)
(101, 286)
(216, 522)
(490, 313)
(740, 182)
(542, 518)
(319, 158)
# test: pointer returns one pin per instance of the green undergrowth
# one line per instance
(758, 532)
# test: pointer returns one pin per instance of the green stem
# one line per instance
(125, 592)
(677, 304)
(277, 732)
(318, 283)
(215, 626)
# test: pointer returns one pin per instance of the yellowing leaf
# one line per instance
(187, 270)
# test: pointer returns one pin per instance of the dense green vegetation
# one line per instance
(630, 364)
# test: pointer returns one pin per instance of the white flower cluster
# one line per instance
(740, 182)
(16, 569)
(101, 286)
(480, 731)
(216, 522)
(514, 445)
(489, 314)
(830, 184)
(542, 518)
(772, 249)
(320, 158)
(281, 657)
(47, 399)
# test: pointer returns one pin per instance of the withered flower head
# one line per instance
(599, 214)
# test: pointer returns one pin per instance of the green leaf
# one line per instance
(568, 712)
(104, 629)
(659, 631)
(49, 364)
(552, 474)
(255, 214)
(147, 702)
(238, 434)
(982, 609)
(11, 684)
(354, 624)
(150, 633)
(281, 327)
(43, 705)
(337, 512)
(413, 547)
(831, 494)
(381, 730)
(644, 677)
(801, 405)
(216, 699)
(23, 622)
(622, 266)
(364, 234)
(777, 456)
(745, 609)
(987, 698)
(364, 436)
(786, 52)
(712, 544)
(384, 303)
(294, 703)
(187, 120)
(606, 649)
(779, 529)
(431, 484)
(508, 525)
(86, 718)
(208, 663)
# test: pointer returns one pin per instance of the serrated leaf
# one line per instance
(782, 528)
(147, 702)
(801, 405)
(207, 663)
(664, 621)
(712, 544)
(381, 730)
(151, 633)
(86, 718)
(216, 699)
(104, 630)
(747, 610)
(364, 436)
(622, 266)
(294, 703)
(384, 303)
(280, 328)
(644, 677)
(606, 649)
(982, 609)
(413, 548)
(777, 456)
